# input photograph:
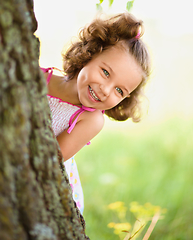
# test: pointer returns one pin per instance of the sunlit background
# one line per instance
(168, 125)
(169, 34)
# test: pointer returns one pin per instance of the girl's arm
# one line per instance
(88, 126)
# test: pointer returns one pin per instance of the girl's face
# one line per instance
(108, 78)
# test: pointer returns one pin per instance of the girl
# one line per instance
(104, 72)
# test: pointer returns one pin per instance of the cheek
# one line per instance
(84, 78)
(80, 79)
(113, 101)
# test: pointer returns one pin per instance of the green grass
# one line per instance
(153, 164)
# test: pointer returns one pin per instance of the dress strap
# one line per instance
(77, 114)
(72, 124)
(50, 71)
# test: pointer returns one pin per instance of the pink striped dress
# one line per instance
(63, 114)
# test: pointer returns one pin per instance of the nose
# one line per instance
(105, 89)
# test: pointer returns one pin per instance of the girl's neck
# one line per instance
(65, 90)
(69, 92)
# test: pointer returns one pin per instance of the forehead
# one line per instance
(119, 58)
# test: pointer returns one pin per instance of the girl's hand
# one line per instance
(88, 126)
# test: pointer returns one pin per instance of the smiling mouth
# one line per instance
(92, 93)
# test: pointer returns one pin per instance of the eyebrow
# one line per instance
(127, 90)
(111, 70)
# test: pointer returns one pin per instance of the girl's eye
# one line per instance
(106, 73)
(119, 91)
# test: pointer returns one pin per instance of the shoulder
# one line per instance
(94, 119)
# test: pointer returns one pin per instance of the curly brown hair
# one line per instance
(101, 35)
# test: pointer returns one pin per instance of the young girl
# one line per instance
(104, 72)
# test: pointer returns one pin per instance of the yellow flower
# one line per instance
(120, 227)
(115, 205)
(111, 225)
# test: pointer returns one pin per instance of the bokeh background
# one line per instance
(151, 161)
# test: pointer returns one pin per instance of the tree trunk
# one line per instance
(35, 196)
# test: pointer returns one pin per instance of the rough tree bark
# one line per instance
(35, 196)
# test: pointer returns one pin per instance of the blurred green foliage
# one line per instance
(128, 6)
(153, 164)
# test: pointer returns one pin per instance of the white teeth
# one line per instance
(93, 94)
